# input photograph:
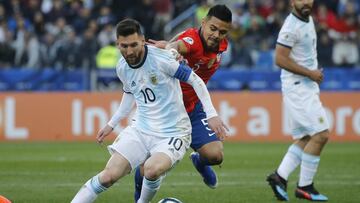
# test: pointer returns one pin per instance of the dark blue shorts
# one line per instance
(201, 133)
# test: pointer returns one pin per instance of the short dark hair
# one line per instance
(221, 12)
(128, 27)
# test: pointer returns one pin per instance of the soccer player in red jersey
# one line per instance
(202, 48)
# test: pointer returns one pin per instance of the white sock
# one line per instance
(149, 189)
(89, 192)
(290, 161)
(308, 169)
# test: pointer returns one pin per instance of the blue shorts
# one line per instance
(201, 133)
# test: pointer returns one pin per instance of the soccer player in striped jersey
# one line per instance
(300, 77)
(161, 133)
(202, 48)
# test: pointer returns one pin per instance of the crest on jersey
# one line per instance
(153, 79)
(321, 120)
(188, 40)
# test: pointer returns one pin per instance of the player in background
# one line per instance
(202, 48)
(161, 133)
(296, 55)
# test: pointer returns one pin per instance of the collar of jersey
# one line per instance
(300, 18)
(142, 61)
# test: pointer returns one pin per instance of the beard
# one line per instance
(214, 47)
(133, 60)
(304, 12)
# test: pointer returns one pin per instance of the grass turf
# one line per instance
(54, 172)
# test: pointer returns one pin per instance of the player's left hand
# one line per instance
(218, 126)
(105, 131)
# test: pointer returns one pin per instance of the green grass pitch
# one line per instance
(54, 172)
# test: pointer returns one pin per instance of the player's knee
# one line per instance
(215, 158)
(218, 158)
(152, 172)
(107, 178)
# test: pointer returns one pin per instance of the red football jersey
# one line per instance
(204, 64)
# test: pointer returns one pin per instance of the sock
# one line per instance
(90, 191)
(138, 178)
(308, 169)
(149, 189)
(290, 161)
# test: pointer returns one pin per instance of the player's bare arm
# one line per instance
(178, 45)
(284, 61)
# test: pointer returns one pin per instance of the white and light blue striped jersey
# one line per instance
(156, 89)
(300, 36)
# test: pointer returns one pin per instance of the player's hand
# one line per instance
(157, 43)
(105, 131)
(218, 126)
(316, 75)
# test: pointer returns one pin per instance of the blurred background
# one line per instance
(58, 87)
(68, 45)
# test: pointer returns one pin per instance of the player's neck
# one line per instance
(296, 14)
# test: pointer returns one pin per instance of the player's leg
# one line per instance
(309, 164)
(206, 156)
(292, 158)
(278, 179)
(164, 155)
(209, 149)
(211, 153)
(116, 168)
(154, 168)
(295, 106)
(127, 152)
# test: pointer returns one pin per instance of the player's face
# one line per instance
(132, 48)
(213, 31)
(303, 7)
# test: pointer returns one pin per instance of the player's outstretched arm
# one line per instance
(125, 107)
(178, 45)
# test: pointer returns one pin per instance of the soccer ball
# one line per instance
(169, 200)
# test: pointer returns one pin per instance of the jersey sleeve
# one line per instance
(189, 40)
(287, 37)
(126, 88)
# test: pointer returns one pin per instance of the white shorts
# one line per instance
(306, 113)
(137, 146)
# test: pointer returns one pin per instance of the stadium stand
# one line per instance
(52, 45)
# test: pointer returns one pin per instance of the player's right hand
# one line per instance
(316, 75)
(105, 131)
(157, 43)
(218, 126)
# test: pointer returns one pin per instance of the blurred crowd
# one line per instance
(80, 33)
(256, 25)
